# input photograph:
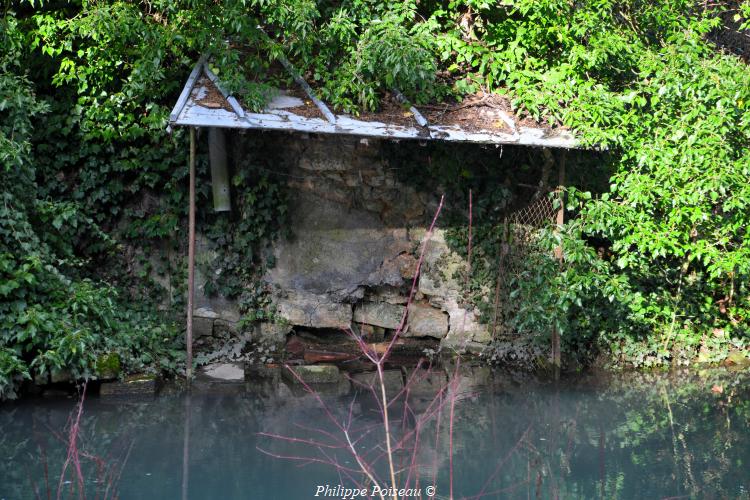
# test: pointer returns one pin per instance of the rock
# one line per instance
(426, 321)
(379, 314)
(407, 265)
(212, 307)
(387, 274)
(388, 294)
(334, 250)
(439, 267)
(463, 346)
(205, 312)
(270, 371)
(274, 332)
(482, 336)
(317, 311)
(313, 374)
(438, 280)
(225, 371)
(53, 393)
(464, 326)
(318, 162)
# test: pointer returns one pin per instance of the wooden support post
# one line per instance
(401, 98)
(191, 262)
(186, 447)
(560, 220)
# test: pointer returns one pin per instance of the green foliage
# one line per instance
(642, 80)
(52, 317)
(743, 15)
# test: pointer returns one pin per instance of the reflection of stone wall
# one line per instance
(356, 230)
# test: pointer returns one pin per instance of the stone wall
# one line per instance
(355, 233)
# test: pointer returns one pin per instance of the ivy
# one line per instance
(241, 243)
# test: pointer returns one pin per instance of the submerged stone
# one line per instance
(392, 379)
(379, 314)
(313, 374)
(136, 385)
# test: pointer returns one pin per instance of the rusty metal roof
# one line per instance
(204, 103)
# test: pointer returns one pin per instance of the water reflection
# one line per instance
(631, 436)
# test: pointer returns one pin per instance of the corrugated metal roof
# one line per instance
(192, 109)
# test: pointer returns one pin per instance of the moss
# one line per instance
(108, 365)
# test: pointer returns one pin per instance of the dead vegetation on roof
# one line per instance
(481, 112)
(212, 99)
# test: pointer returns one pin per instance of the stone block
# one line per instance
(464, 325)
(379, 314)
(407, 265)
(426, 321)
(268, 371)
(316, 311)
(205, 312)
(393, 380)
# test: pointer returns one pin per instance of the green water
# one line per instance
(591, 436)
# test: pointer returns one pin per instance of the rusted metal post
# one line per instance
(191, 261)
(560, 220)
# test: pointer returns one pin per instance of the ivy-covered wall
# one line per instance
(657, 261)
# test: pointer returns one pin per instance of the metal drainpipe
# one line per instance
(217, 152)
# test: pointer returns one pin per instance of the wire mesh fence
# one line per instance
(519, 232)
